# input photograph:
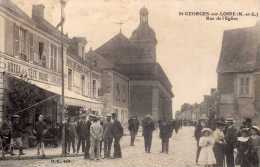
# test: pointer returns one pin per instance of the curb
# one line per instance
(123, 145)
(38, 157)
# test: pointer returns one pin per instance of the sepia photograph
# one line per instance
(129, 83)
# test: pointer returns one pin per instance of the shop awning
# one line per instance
(71, 98)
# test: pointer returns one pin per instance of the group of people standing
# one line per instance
(166, 128)
(227, 145)
(90, 135)
(95, 135)
(11, 133)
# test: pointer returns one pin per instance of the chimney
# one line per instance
(213, 90)
(38, 11)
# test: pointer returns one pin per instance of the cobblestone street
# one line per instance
(182, 153)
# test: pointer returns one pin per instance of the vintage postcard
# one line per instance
(129, 83)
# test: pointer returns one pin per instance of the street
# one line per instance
(181, 154)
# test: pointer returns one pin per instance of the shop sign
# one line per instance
(32, 73)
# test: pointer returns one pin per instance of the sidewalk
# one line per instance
(52, 152)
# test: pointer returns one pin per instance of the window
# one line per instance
(23, 42)
(20, 43)
(94, 88)
(88, 85)
(41, 48)
(244, 85)
(70, 79)
(16, 41)
(42, 57)
(53, 58)
(124, 93)
(83, 85)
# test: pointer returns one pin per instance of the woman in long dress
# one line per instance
(206, 142)
(255, 140)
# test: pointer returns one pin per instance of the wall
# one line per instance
(226, 83)
(120, 91)
(257, 92)
(141, 101)
(2, 34)
(115, 93)
(107, 89)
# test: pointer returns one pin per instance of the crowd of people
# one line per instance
(226, 144)
(88, 134)
(166, 128)
(93, 135)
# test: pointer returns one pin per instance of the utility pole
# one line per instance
(63, 3)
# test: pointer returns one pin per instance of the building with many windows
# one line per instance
(30, 53)
(114, 86)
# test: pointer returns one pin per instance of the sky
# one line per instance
(188, 47)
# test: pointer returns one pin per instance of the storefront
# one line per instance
(44, 83)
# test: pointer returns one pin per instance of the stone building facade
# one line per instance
(30, 50)
(238, 73)
(114, 86)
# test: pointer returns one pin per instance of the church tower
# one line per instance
(144, 38)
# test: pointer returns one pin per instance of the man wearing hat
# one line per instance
(96, 134)
(118, 132)
(148, 129)
(5, 136)
(16, 136)
(230, 138)
(81, 131)
(219, 146)
(107, 136)
(40, 130)
(133, 126)
(87, 133)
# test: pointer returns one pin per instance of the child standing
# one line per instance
(206, 142)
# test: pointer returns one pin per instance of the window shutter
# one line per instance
(16, 41)
(36, 50)
(31, 47)
(47, 53)
(9, 38)
(28, 45)
(59, 60)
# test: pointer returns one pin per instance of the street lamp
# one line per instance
(60, 25)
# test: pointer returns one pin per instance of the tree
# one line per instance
(21, 94)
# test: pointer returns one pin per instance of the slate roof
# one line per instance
(118, 48)
(118, 51)
(47, 27)
(40, 23)
(15, 10)
(240, 49)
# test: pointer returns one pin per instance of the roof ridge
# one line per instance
(15, 9)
